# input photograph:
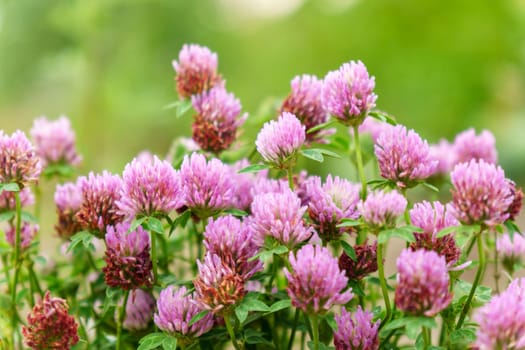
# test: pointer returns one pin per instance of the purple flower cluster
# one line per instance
(150, 189)
(469, 146)
(18, 160)
(279, 141)
(432, 218)
(139, 310)
(502, 320)
(348, 93)
(481, 194)
(175, 309)
(331, 202)
(356, 333)
(443, 152)
(232, 240)
(128, 263)
(196, 70)
(27, 232)
(304, 101)
(55, 141)
(423, 283)
(381, 209)
(215, 125)
(208, 186)
(511, 250)
(404, 157)
(68, 199)
(315, 282)
(279, 215)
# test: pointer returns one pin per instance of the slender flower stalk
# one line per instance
(120, 320)
(16, 264)
(382, 282)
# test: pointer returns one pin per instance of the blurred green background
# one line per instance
(440, 66)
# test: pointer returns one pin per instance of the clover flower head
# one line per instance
(139, 310)
(381, 209)
(356, 331)
(469, 146)
(18, 159)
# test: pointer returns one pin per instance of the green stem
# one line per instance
(477, 279)
(294, 328)
(406, 213)
(382, 282)
(154, 256)
(359, 161)
(426, 337)
(120, 321)
(38, 200)
(289, 172)
(496, 263)
(34, 278)
(16, 264)
(315, 331)
(231, 331)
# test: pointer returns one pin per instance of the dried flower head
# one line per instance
(217, 119)
(331, 202)
(356, 333)
(99, 196)
(55, 141)
(279, 141)
(348, 93)
(196, 70)
(139, 310)
(365, 264)
(208, 185)
(502, 320)
(218, 287)
(279, 215)
(175, 309)
(18, 160)
(150, 188)
(49, 326)
(304, 101)
(432, 218)
(68, 199)
(423, 283)
(315, 282)
(511, 250)
(232, 240)
(517, 200)
(381, 209)
(480, 193)
(469, 146)
(404, 157)
(128, 262)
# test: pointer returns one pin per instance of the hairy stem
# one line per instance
(315, 331)
(231, 331)
(382, 282)
(16, 264)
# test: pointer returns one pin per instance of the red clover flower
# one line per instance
(357, 331)
(68, 200)
(381, 209)
(139, 310)
(365, 264)
(18, 160)
(469, 146)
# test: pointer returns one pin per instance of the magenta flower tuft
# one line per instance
(218, 117)
(331, 202)
(8, 201)
(18, 160)
(348, 93)
(208, 185)
(358, 332)
(175, 309)
(139, 310)
(279, 215)
(316, 283)
(150, 189)
(306, 104)
(502, 320)
(480, 193)
(49, 326)
(28, 231)
(232, 240)
(511, 250)
(381, 209)
(423, 283)
(128, 263)
(469, 146)
(55, 142)
(68, 200)
(218, 287)
(99, 196)
(279, 141)
(404, 157)
(444, 153)
(196, 70)
(365, 264)
(432, 218)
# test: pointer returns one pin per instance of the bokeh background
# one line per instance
(440, 66)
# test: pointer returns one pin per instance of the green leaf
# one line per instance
(181, 221)
(462, 289)
(280, 305)
(253, 168)
(236, 212)
(63, 170)
(136, 223)
(254, 305)
(403, 233)
(331, 321)
(198, 317)
(155, 225)
(430, 187)
(447, 231)
(9, 187)
(181, 107)
(169, 343)
(313, 153)
(322, 346)
(265, 253)
(349, 223)
(241, 313)
(28, 217)
(7, 215)
(512, 228)
(329, 153)
(349, 250)
(321, 126)
(151, 341)
(463, 336)
(84, 237)
(383, 116)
